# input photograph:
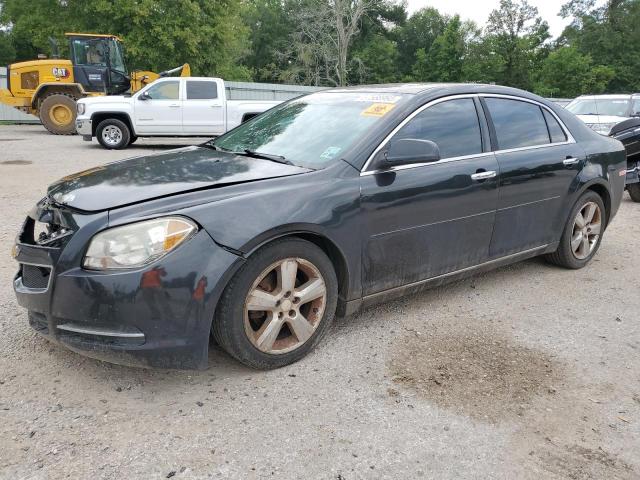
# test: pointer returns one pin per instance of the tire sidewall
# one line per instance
(126, 133)
(565, 242)
(58, 98)
(232, 335)
(634, 192)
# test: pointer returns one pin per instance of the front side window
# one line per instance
(164, 91)
(201, 90)
(453, 125)
(518, 124)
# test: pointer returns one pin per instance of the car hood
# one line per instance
(168, 173)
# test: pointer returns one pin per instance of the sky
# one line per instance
(478, 10)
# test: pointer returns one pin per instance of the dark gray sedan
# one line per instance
(320, 206)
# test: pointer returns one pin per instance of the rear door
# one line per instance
(203, 108)
(539, 161)
(161, 113)
(428, 219)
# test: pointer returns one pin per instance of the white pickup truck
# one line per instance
(169, 107)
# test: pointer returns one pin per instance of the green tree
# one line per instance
(445, 60)
(7, 51)
(568, 73)
(158, 34)
(377, 62)
(419, 32)
(516, 34)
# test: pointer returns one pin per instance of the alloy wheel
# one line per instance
(111, 135)
(284, 306)
(586, 230)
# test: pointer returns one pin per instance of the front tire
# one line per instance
(278, 305)
(634, 191)
(113, 134)
(582, 234)
(58, 114)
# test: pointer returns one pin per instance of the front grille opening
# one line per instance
(34, 276)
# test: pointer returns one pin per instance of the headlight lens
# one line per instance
(80, 106)
(137, 244)
(601, 128)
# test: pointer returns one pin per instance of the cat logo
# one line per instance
(60, 72)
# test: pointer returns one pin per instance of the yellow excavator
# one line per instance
(49, 87)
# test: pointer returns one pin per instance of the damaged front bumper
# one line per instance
(154, 316)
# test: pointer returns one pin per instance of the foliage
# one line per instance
(337, 42)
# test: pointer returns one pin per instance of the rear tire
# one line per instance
(278, 306)
(58, 114)
(582, 234)
(113, 134)
(634, 192)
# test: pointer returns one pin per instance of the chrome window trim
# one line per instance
(365, 172)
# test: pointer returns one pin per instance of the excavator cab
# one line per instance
(98, 63)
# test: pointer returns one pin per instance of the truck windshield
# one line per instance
(312, 131)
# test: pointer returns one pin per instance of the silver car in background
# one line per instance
(602, 112)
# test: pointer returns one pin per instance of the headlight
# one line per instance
(80, 106)
(601, 128)
(137, 244)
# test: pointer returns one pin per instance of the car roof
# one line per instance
(406, 88)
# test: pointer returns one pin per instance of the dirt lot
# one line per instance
(526, 372)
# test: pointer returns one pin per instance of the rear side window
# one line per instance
(555, 130)
(453, 125)
(518, 124)
(200, 90)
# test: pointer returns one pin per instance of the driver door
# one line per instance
(158, 109)
(425, 220)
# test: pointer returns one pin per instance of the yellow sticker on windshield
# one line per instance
(377, 109)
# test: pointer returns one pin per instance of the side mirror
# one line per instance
(144, 96)
(407, 151)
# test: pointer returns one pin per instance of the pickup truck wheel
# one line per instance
(113, 134)
(634, 191)
(133, 139)
(278, 305)
(58, 114)
(582, 233)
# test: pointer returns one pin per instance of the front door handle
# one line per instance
(483, 175)
(570, 161)
(175, 105)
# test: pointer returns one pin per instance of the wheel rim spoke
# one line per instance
(576, 241)
(301, 327)
(287, 275)
(261, 301)
(580, 220)
(311, 290)
(595, 228)
(585, 245)
(590, 211)
(268, 334)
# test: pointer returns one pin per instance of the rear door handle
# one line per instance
(483, 175)
(175, 105)
(570, 161)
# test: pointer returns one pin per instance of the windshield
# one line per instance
(94, 51)
(312, 131)
(617, 107)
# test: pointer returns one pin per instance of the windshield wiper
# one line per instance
(213, 146)
(265, 156)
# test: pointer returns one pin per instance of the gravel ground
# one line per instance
(529, 371)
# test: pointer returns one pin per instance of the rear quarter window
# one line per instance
(555, 130)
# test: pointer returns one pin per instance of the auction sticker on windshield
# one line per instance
(377, 109)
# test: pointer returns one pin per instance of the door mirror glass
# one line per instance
(144, 96)
(406, 151)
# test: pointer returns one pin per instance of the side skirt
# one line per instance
(350, 307)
